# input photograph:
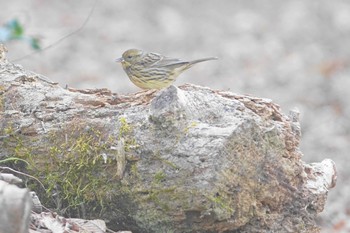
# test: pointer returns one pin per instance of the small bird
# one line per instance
(152, 70)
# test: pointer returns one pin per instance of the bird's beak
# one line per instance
(119, 59)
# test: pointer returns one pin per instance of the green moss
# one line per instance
(126, 134)
(76, 165)
(79, 179)
(221, 203)
(8, 130)
(133, 171)
(159, 177)
(124, 128)
(165, 161)
(2, 99)
(161, 197)
(155, 222)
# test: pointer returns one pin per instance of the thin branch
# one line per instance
(62, 38)
(24, 174)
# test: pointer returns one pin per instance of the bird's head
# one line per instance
(130, 57)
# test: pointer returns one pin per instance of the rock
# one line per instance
(47, 222)
(187, 159)
(10, 178)
(15, 205)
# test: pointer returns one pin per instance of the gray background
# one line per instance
(294, 52)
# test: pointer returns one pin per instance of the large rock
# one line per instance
(187, 159)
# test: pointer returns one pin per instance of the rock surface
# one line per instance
(15, 205)
(187, 159)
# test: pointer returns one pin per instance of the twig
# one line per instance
(62, 38)
(24, 174)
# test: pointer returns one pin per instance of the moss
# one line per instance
(155, 222)
(2, 99)
(8, 130)
(124, 128)
(156, 202)
(74, 169)
(160, 197)
(165, 161)
(76, 165)
(133, 171)
(222, 203)
(126, 134)
(159, 177)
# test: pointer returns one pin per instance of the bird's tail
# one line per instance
(201, 60)
(184, 65)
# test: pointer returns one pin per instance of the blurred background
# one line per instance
(294, 52)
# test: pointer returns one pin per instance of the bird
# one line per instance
(153, 70)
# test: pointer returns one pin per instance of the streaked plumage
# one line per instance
(152, 70)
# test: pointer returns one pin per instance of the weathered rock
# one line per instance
(15, 206)
(186, 159)
(47, 222)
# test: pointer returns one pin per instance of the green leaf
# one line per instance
(10, 159)
(34, 42)
(16, 29)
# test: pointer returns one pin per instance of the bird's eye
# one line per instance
(129, 57)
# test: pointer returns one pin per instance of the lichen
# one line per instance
(190, 126)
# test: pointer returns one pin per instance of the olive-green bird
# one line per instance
(152, 70)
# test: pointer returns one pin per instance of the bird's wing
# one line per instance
(157, 60)
(170, 62)
(149, 59)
